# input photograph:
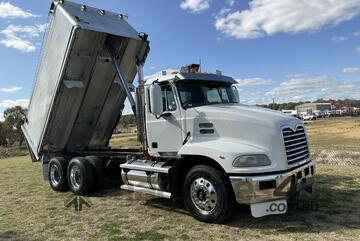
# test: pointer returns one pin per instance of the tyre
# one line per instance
(80, 176)
(98, 170)
(207, 195)
(57, 174)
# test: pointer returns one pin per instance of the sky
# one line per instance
(277, 50)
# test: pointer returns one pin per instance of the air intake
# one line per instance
(296, 145)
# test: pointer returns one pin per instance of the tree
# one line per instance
(14, 118)
(126, 120)
(3, 141)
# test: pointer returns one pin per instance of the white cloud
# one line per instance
(7, 10)
(351, 70)
(300, 87)
(231, 3)
(11, 89)
(303, 88)
(312, 88)
(268, 17)
(20, 37)
(339, 38)
(2, 116)
(18, 43)
(195, 6)
(4, 104)
(356, 34)
(358, 49)
(253, 82)
(348, 90)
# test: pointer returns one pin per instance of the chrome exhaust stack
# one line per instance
(140, 108)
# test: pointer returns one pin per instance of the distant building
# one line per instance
(310, 108)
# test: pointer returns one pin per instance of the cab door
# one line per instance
(165, 133)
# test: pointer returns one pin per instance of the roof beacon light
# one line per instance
(194, 68)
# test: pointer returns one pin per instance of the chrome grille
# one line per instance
(295, 144)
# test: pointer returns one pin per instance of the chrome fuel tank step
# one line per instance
(146, 165)
(141, 174)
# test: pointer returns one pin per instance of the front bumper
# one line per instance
(263, 188)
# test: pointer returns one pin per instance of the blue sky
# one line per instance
(282, 49)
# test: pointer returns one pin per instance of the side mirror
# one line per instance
(156, 101)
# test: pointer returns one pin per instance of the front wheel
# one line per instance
(206, 194)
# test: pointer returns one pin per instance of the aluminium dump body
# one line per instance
(77, 99)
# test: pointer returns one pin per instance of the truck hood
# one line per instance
(240, 130)
(248, 114)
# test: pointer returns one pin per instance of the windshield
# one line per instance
(197, 94)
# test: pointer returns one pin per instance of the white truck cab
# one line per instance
(259, 149)
(198, 143)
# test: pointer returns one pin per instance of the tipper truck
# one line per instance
(198, 143)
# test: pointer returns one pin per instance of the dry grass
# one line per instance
(124, 141)
(6, 152)
(30, 210)
(335, 134)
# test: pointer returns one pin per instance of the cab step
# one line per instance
(146, 190)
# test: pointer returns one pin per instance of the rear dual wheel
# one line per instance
(57, 174)
(80, 175)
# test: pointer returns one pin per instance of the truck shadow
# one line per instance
(333, 206)
(111, 188)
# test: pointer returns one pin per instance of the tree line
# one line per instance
(11, 134)
(292, 105)
(10, 128)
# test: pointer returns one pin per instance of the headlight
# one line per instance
(251, 161)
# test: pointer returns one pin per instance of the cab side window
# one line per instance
(169, 103)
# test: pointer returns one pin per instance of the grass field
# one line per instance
(335, 134)
(124, 141)
(30, 210)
